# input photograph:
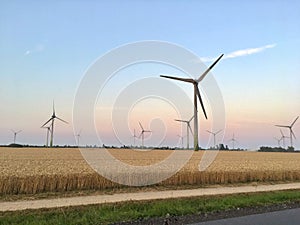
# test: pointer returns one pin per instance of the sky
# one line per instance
(46, 48)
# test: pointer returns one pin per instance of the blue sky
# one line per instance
(46, 46)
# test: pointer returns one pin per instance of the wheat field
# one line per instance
(36, 170)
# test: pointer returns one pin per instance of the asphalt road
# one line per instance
(285, 217)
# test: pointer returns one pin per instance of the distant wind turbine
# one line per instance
(233, 140)
(78, 136)
(195, 83)
(134, 137)
(214, 133)
(292, 134)
(48, 131)
(282, 138)
(188, 127)
(278, 141)
(15, 135)
(52, 119)
(142, 134)
(181, 138)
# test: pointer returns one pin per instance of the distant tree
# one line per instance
(222, 147)
(291, 149)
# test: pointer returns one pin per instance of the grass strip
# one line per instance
(109, 213)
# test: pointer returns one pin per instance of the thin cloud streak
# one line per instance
(38, 48)
(239, 53)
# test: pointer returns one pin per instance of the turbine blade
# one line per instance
(209, 68)
(209, 131)
(201, 102)
(53, 108)
(181, 120)
(294, 121)
(141, 134)
(191, 118)
(141, 126)
(47, 122)
(219, 131)
(282, 126)
(19, 131)
(293, 134)
(281, 133)
(61, 120)
(189, 80)
(191, 129)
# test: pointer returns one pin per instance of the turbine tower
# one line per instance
(181, 137)
(195, 83)
(52, 119)
(278, 141)
(142, 133)
(291, 131)
(134, 137)
(15, 134)
(233, 140)
(214, 133)
(282, 138)
(78, 136)
(188, 127)
(48, 131)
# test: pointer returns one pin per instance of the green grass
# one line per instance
(108, 213)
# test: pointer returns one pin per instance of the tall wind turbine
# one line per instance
(195, 83)
(48, 131)
(214, 133)
(142, 134)
(52, 119)
(291, 131)
(188, 127)
(181, 138)
(15, 134)
(233, 140)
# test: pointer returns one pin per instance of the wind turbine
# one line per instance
(233, 140)
(188, 127)
(134, 137)
(52, 119)
(181, 137)
(195, 83)
(15, 134)
(142, 133)
(48, 131)
(278, 141)
(214, 133)
(283, 137)
(291, 131)
(78, 136)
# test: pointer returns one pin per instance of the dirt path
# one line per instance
(100, 199)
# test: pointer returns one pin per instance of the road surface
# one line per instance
(285, 217)
(151, 195)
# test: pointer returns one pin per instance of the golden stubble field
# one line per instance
(35, 170)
